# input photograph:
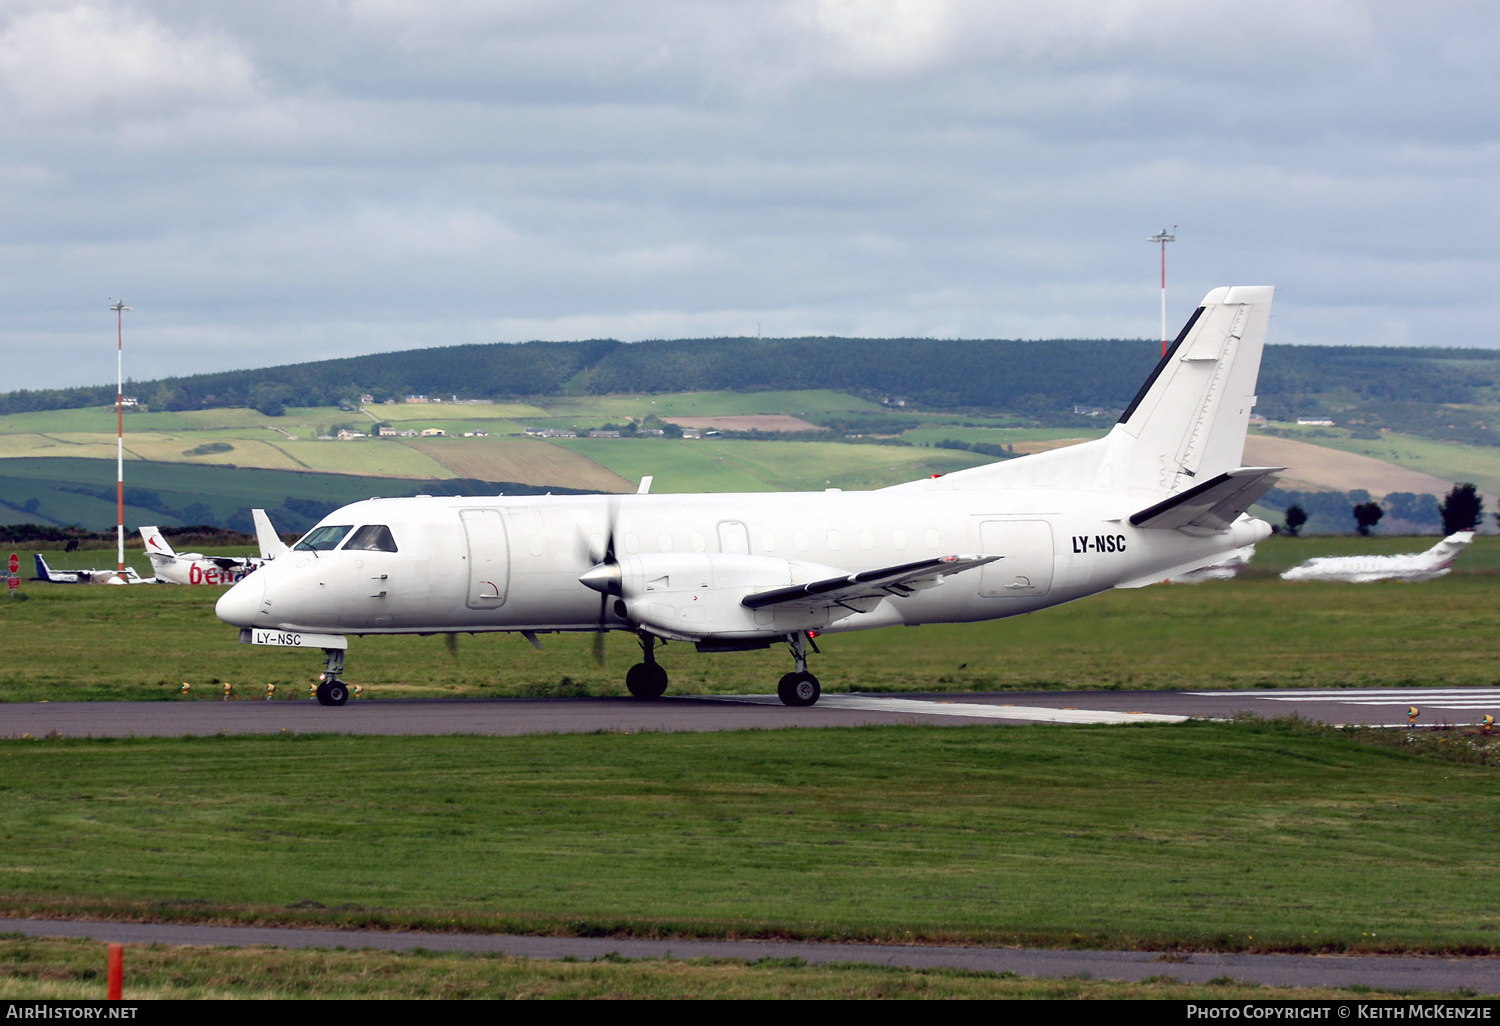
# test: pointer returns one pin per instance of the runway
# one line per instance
(512, 716)
(1386, 972)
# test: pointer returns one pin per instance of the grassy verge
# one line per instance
(59, 969)
(1200, 836)
(1259, 631)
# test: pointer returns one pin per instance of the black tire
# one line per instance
(333, 692)
(799, 689)
(646, 680)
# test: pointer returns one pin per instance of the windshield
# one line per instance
(322, 538)
(372, 538)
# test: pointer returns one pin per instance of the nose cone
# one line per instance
(239, 605)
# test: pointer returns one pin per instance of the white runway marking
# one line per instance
(911, 706)
(1423, 698)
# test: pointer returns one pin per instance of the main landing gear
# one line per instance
(799, 687)
(646, 679)
(333, 691)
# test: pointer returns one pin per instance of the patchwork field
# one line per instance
(1318, 467)
(395, 412)
(527, 460)
(733, 465)
(250, 442)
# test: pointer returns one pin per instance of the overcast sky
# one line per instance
(285, 181)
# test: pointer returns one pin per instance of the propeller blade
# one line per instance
(450, 642)
(599, 648)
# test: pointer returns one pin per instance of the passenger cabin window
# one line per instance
(321, 539)
(372, 538)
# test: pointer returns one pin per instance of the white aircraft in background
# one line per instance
(1224, 570)
(196, 568)
(1162, 494)
(108, 576)
(1413, 566)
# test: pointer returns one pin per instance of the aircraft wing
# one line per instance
(226, 562)
(900, 581)
(1212, 505)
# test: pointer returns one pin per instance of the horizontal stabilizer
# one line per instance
(1212, 505)
(899, 580)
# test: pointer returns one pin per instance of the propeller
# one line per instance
(450, 642)
(605, 578)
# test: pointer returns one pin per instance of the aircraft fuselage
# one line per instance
(514, 563)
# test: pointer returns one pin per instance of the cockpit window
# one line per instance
(372, 538)
(321, 539)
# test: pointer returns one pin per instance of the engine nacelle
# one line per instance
(690, 595)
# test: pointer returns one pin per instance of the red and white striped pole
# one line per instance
(1164, 238)
(119, 308)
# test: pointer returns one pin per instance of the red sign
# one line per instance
(14, 582)
(15, 563)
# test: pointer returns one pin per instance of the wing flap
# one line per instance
(1212, 505)
(898, 580)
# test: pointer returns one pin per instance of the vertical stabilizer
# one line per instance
(1189, 419)
(156, 545)
(271, 544)
(41, 568)
(1184, 428)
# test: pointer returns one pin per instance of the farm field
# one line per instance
(246, 443)
(735, 465)
(1450, 461)
(82, 491)
(527, 460)
(709, 404)
(1257, 631)
(394, 412)
(1199, 836)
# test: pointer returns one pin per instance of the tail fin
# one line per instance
(41, 568)
(156, 545)
(271, 544)
(1189, 419)
(1184, 428)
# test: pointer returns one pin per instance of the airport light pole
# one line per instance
(1163, 238)
(119, 308)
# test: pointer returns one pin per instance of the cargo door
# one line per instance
(1025, 571)
(488, 557)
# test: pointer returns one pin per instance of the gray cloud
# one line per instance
(287, 181)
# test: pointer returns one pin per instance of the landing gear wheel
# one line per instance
(333, 692)
(799, 688)
(646, 680)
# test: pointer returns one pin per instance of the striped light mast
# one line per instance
(119, 308)
(1164, 238)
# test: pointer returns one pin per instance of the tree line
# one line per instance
(1026, 377)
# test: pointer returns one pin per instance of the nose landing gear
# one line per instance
(646, 679)
(332, 691)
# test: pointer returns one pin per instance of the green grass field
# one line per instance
(708, 404)
(1258, 631)
(70, 970)
(733, 465)
(396, 412)
(81, 491)
(1196, 836)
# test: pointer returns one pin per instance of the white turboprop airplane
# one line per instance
(1412, 566)
(1162, 494)
(46, 573)
(196, 568)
